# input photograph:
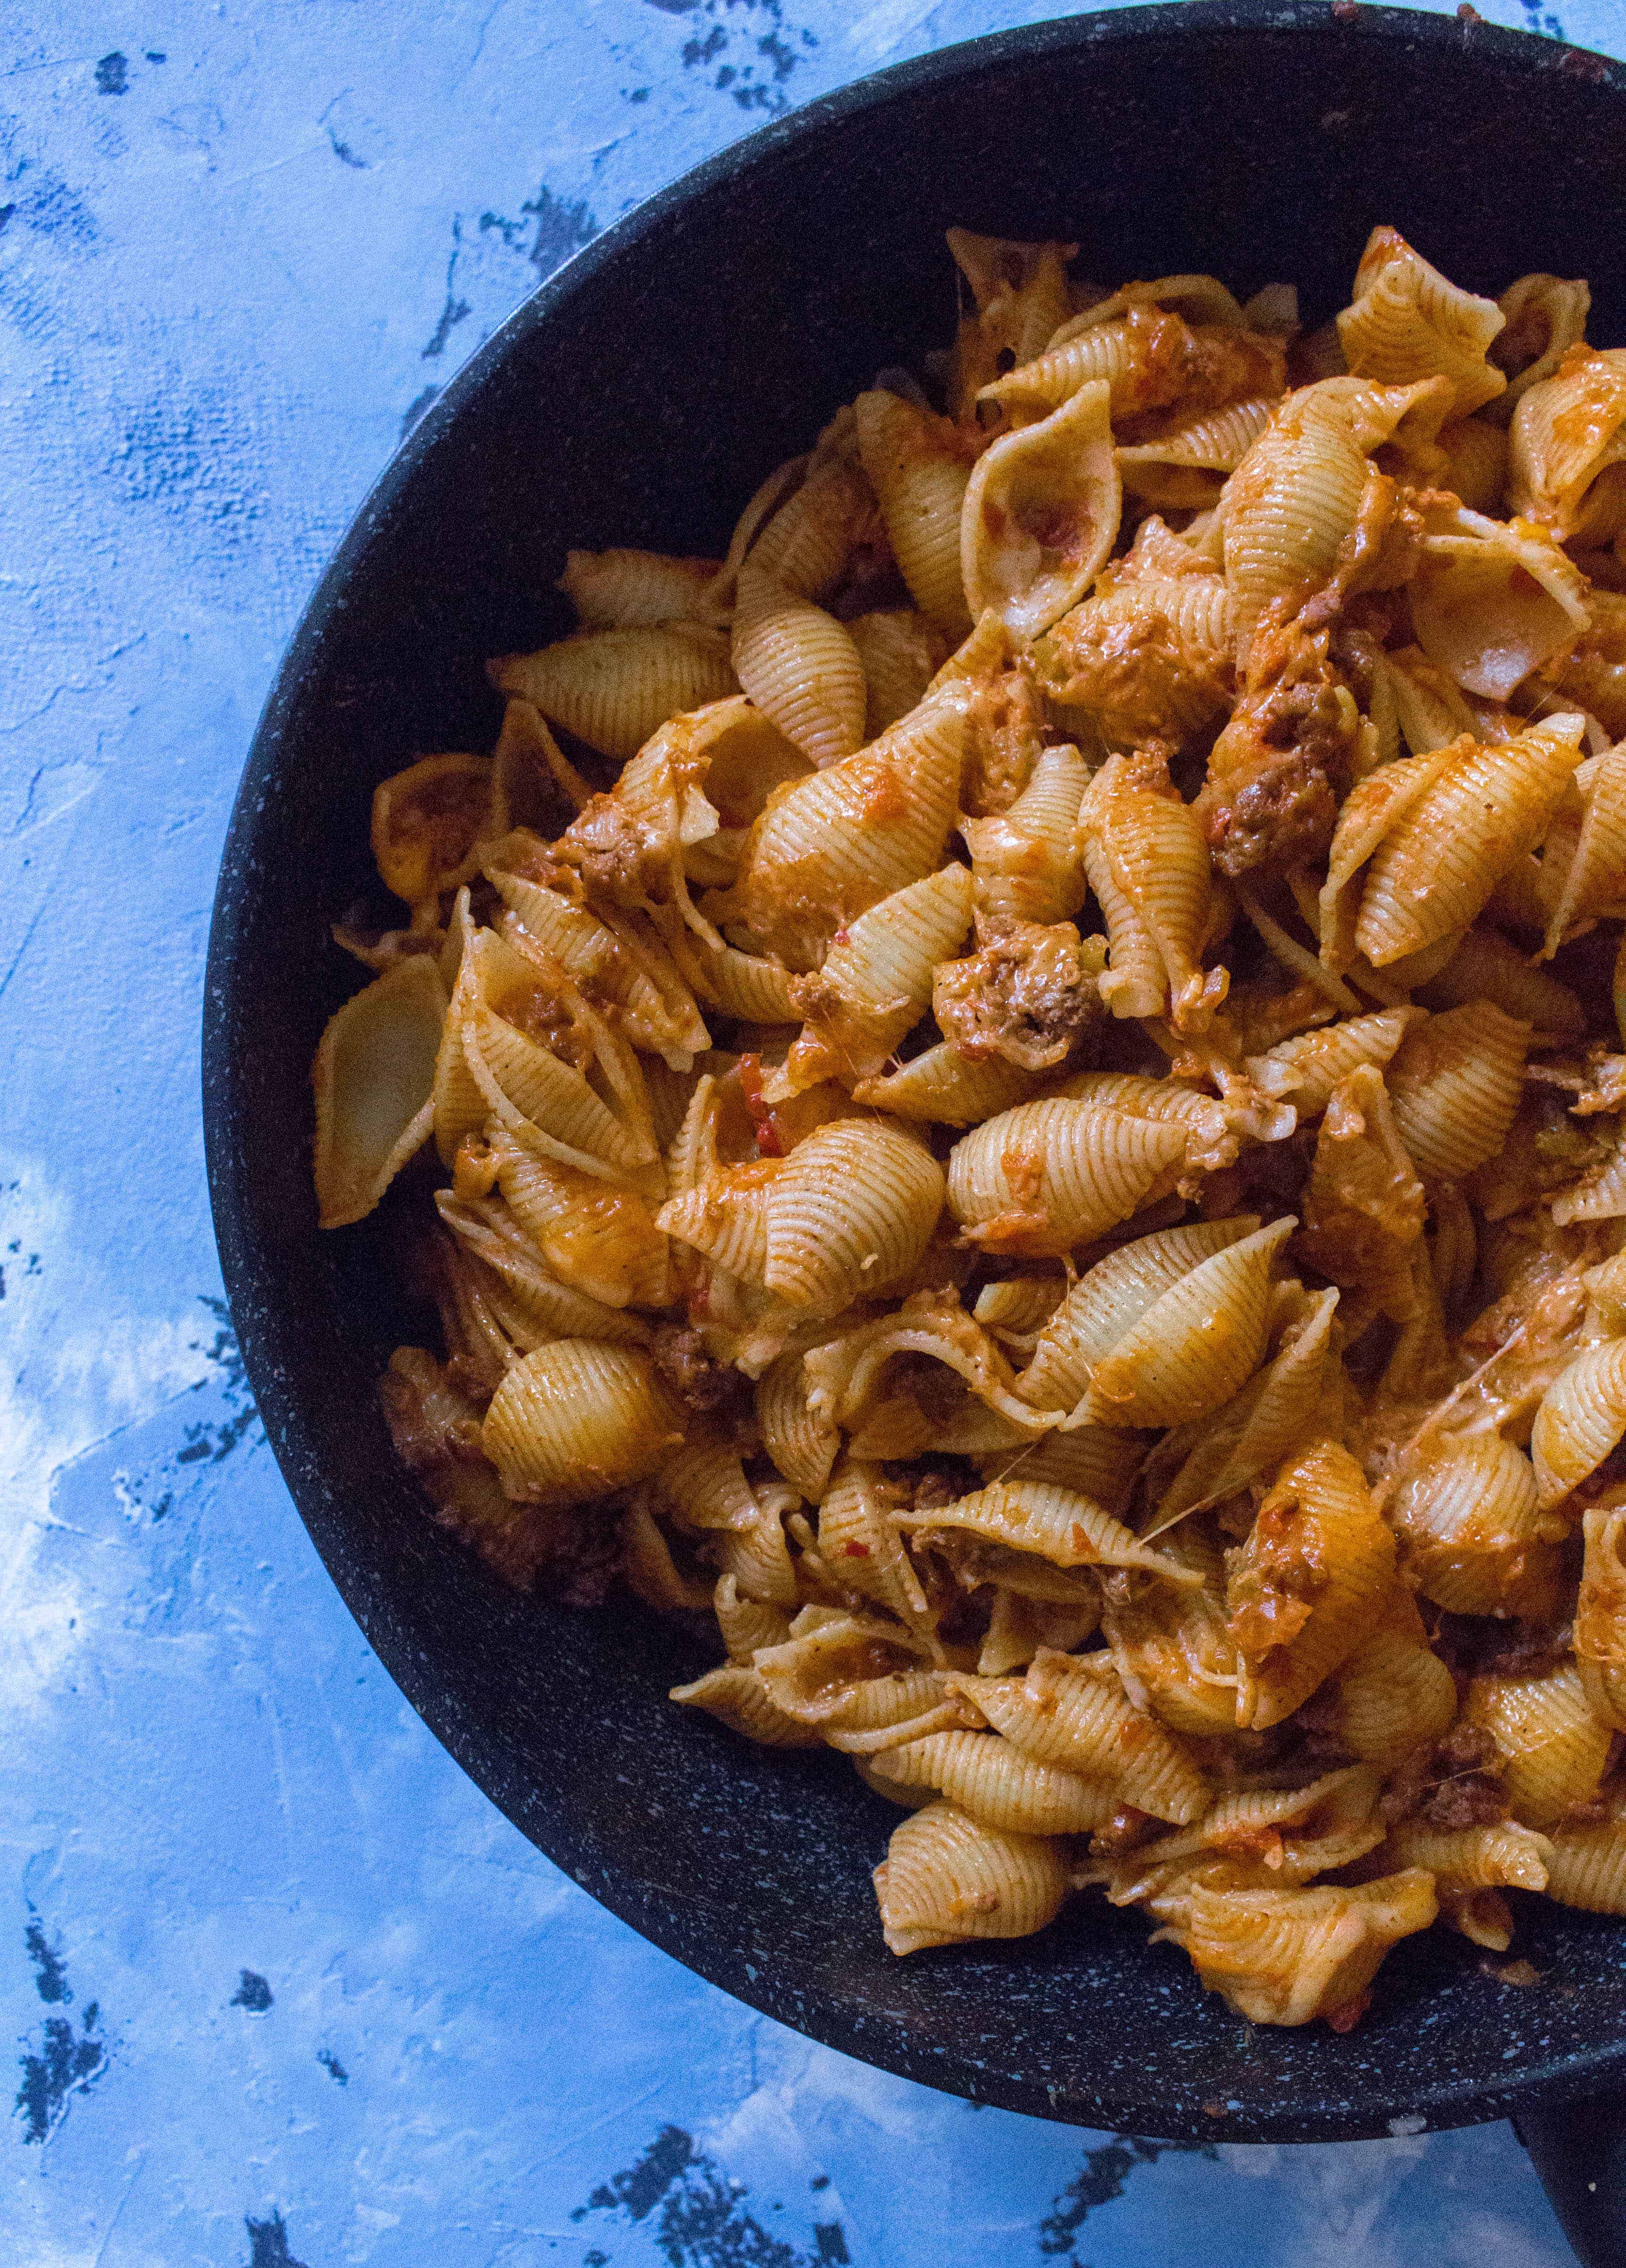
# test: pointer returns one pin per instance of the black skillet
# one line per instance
(637, 398)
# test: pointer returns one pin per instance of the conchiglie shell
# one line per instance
(1476, 454)
(801, 668)
(1148, 864)
(918, 466)
(735, 1696)
(1286, 1956)
(1407, 322)
(829, 847)
(1474, 1539)
(1455, 1083)
(1133, 360)
(1212, 441)
(859, 1541)
(930, 1324)
(725, 1216)
(1600, 1193)
(1309, 1583)
(1364, 1205)
(426, 823)
(1501, 1856)
(746, 1624)
(1195, 1346)
(577, 1420)
(1600, 1615)
(1553, 1748)
(1041, 515)
(1019, 1627)
(901, 653)
(1093, 1461)
(1546, 316)
(1320, 1060)
(374, 1078)
(545, 1103)
(1053, 1523)
(1491, 602)
(1266, 1422)
(1567, 431)
(594, 1236)
(1581, 1419)
(876, 980)
(1392, 1695)
(944, 1087)
(1594, 876)
(853, 1211)
(1432, 872)
(650, 1571)
(801, 1444)
(614, 688)
(1045, 1176)
(758, 1556)
(1147, 656)
(948, 1879)
(871, 1710)
(1025, 859)
(1114, 1296)
(487, 1229)
(623, 589)
(985, 1775)
(744, 985)
(1062, 1714)
(1296, 1831)
(836, 1665)
(638, 979)
(1485, 967)
(1586, 1866)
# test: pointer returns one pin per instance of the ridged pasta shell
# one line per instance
(1393, 1696)
(735, 1695)
(1297, 1831)
(374, 1078)
(1147, 655)
(829, 847)
(1025, 860)
(845, 1372)
(1568, 431)
(1600, 1193)
(1112, 1297)
(1476, 455)
(1063, 1713)
(1041, 515)
(876, 983)
(1309, 1584)
(488, 1230)
(1594, 875)
(1365, 1206)
(1319, 1060)
(1581, 1419)
(917, 466)
(1600, 1614)
(802, 1442)
(577, 1420)
(1502, 1856)
(1053, 1523)
(1210, 1139)
(725, 1216)
(614, 688)
(1491, 602)
(1545, 317)
(985, 1775)
(1194, 1347)
(948, 1879)
(1455, 1085)
(1173, 1650)
(1283, 1956)
(901, 653)
(1586, 1865)
(834, 1656)
(656, 1012)
(1481, 810)
(1093, 1461)
(427, 820)
(1148, 864)
(1472, 1536)
(746, 1624)
(1258, 1430)
(859, 1541)
(1553, 1748)
(1485, 967)
(1019, 1627)
(801, 668)
(1214, 441)
(853, 1211)
(1045, 1176)
(1407, 322)
(595, 1236)
(623, 589)
(944, 1087)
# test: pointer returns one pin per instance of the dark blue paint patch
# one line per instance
(346, 155)
(113, 74)
(1541, 21)
(50, 1976)
(455, 309)
(268, 2243)
(727, 49)
(333, 2068)
(155, 54)
(252, 1992)
(819, 2182)
(1104, 2178)
(415, 410)
(211, 1443)
(700, 2216)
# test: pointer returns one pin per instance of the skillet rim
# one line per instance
(292, 1438)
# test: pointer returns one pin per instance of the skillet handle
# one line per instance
(1579, 2151)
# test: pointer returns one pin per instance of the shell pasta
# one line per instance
(1011, 1095)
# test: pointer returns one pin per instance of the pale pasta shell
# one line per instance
(1476, 455)
(983, 1775)
(1455, 1085)
(1173, 1651)
(1546, 316)
(1093, 1461)
(917, 465)
(614, 688)
(1112, 1297)
(1045, 1176)
(1586, 1866)
(1553, 1748)
(1581, 1419)
(859, 1541)
(1392, 1695)
(1298, 1833)
(426, 822)
(876, 980)
(901, 654)
(1595, 874)
(623, 589)
(801, 668)
(948, 1879)
(1025, 860)
(735, 1696)
(1320, 1060)
(746, 1624)
(801, 1443)
(1485, 967)
(657, 1011)
(1041, 514)
(577, 1420)
(595, 1236)
(1502, 1856)
(1195, 1346)
(1148, 864)
(1568, 431)
(944, 1087)
(374, 1078)
(853, 1211)
(1062, 1714)
(1210, 1138)
(725, 1216)
(1267, 1420)
(1472, 1537)
(1491, 602)
(1407, 322)
(1052, 1522)
(487, 1229)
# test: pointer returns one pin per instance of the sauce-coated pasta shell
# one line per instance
(1569, 433)
(901, 653)
(1476, 454)
(802, 1442)
(1041, 514)
(800, 667)
(852, 1211)
(1392, 1697)
(488, 1230)
(613, 689)
(1093, 1461)
(1054, 1523)
(1473, 1538)
(1503, 1856)
(932, 1326)
(917, 466)
(1407, 322)
(1150, 653)
(1319, 1060)
(1112, 1297)
(1490, 603)
(1486, 967)
(1595, 874)
(1297, 1832)
(1064, 1713)
(1025, 859)
(595, 1236)
(983, 1775)
(1173, 1649)
(1194, 1347)
(944, 1087)
(426, 822)
(876, 983)
(735, 1696)
(374, 1078)
(577, 1420)
(1283, 1956)
(1148, 864)
(1364, 1207)
(1210, 1138)
(948, 1879)
(1455, 1085)
(1552, 1747)
(1256, 1432)
(1581, 1419)
(1587, 1864)
(1045, 1176)
(1600, 1614)
(746, 1624)
(1546, 316)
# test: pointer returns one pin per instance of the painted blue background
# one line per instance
(283, 1987)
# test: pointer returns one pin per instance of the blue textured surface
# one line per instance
(285, 1989)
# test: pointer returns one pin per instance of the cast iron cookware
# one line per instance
(637, 398)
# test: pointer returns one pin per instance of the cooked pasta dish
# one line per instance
(1012, 1096)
